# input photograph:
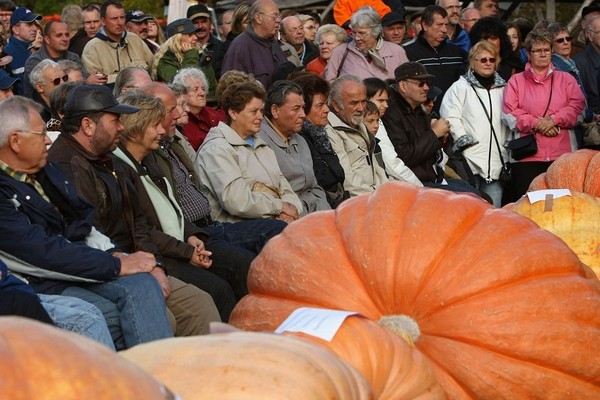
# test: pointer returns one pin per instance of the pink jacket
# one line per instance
(525, 100)
(356, 63)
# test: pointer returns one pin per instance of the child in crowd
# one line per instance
(371, 121)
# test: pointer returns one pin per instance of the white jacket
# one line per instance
(394, 166)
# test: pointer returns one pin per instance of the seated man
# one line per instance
(349, 137)
(48, 241)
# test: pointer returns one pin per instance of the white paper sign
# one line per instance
(319, 322)
(540, 195)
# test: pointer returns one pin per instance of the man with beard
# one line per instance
(456, 34)
(137, 22)
(349, 138)
(256, 50)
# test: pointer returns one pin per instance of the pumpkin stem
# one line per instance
(403, 326)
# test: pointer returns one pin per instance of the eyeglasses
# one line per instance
(359, 35)
(538, 51)
(567, 39)
(275, 16)
(485, 60)
(56, 81)
(419, 83)
(42, 133)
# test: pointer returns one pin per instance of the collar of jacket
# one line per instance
(102, 36)
(232, 137)
(336, 122)
(259, 39)
(402, 103)
(498, 81)
(421, 39)
(70, 141)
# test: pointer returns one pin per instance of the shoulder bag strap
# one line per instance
(342, 62)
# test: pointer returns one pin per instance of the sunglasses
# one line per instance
(567, 39)
(485, 60)
(419, 83)
(56, 81)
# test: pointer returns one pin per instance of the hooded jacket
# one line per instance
(102, 54)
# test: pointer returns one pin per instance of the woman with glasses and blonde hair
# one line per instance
(368, 55)
(473, 106)
(544, 103)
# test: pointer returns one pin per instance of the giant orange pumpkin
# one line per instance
(249, 366)
(575, 219)
(38, 361)
(498, 307)
(578, 171)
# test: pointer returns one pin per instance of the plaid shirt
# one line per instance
(23, 177)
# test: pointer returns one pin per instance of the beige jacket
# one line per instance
(354, 148)
(103, 55)
(241, 181)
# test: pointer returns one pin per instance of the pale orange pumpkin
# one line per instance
(575, 219)
(496, 306)
(578, 171)
(39, 361)
(249, 366)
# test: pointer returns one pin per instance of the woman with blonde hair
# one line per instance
(179, 51)
(155, 32)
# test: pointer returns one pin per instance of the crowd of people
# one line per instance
(142, 170)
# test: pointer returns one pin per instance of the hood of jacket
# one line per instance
(102, 36)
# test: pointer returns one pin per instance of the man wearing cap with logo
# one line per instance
(416, 138)
(394, 27)
(47, 235)
(23, 28)
(114, 48)
(90, 133)
(136, 21)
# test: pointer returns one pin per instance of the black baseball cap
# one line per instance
(411, 70)
(87, 99)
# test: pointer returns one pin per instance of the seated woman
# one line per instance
(179, 51)
(201, 117)
(326, 165)
(328, 38)
(473, 106)
(543, 102)
(378, 92)
(239, 173)
(284, 116)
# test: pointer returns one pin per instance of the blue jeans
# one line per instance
(133, 306)
(250, 234)
(76, 315)
(493, 189)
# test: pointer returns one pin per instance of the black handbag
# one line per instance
(522, 147)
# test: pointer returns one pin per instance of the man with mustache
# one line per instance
(208, 44)
(136, 21)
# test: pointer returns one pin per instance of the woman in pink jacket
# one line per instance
(544, 102)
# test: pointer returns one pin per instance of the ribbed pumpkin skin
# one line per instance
(505, 309)
(578, 171)
(249, 366)
(575, 219)
(41, 362)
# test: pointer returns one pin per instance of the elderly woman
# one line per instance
(201, 117)
(284, 117)
(179, 51)
(561, 50)
(545, 103)
(368, 55)
(328, 38)
(239, 173)
(473, 105)
(326, 165)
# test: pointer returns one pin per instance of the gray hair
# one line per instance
(588, 21)
(37, 73)
(277, 95)
(125, 78)
(340, 34)
(367, 17)
(185, 75)
(178, 89)
(69, 65)
(336, 89)
(14, 114)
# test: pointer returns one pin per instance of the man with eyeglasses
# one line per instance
(588, 64)
(7, 7)
(24, 29)
(417, 138)
(256, 50)
(456, 34)
(468, 18)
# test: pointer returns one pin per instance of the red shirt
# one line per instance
(198, 126)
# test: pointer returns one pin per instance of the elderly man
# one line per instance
(292, 32)
(23, 28)
(91, 129)
(47, 232)
(416, 138)
(256, 50)
(588, 63)
(130, 78)
(394, 27)
(468, 18)
(349, 138)
(45, 77)
(442, 59)
(487, 8)
(456, 34)
(225, 20)
(113, 48)
(91, 26)
(284, 118)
